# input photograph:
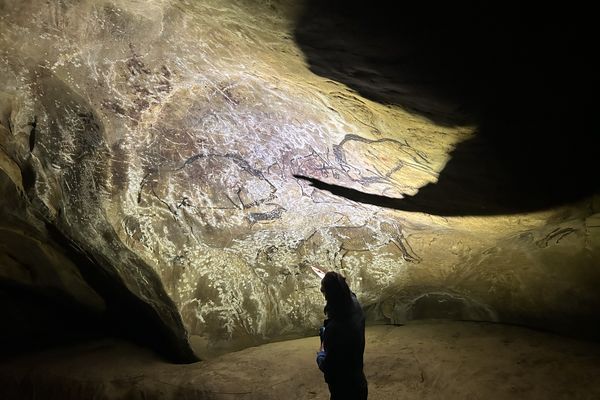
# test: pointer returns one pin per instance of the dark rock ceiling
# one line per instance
(524, 75)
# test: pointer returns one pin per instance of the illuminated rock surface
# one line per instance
(147, 150)
(419, 361)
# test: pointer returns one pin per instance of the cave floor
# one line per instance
(425, 360)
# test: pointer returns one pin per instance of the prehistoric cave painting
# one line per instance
(272, 215)
(388, 166)
(315, 164)
(555, 237)
(209, 198)
(376, 236)
(385, 154)
(146, 86)
(277, 262)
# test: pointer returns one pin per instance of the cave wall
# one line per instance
(157, 143)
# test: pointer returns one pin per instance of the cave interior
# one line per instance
(170, 171)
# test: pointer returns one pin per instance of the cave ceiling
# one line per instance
(204, 154)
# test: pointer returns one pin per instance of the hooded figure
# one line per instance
(342, 341)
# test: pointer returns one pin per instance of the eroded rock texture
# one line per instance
(154, 146)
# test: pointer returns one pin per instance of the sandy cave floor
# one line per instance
(425, 360)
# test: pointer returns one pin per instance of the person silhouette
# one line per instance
(342, 341)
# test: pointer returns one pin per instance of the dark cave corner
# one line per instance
(37, 317)
(127, 315)
(525, 76)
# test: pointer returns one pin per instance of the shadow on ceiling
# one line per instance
(525, 77)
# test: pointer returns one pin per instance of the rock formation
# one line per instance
(151, 164)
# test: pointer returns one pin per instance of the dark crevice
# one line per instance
(28, 175)
(32, 134)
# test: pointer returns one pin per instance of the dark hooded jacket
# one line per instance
(344, 344)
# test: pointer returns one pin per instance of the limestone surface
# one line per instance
(156, 145)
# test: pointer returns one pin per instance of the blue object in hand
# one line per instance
(320, 357)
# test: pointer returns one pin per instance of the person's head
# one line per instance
(336, 292)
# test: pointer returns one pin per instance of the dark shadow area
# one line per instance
(39, 317)
(127, 316)
(526, 76)
(36, 318)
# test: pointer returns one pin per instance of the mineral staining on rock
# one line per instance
(164, 136)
